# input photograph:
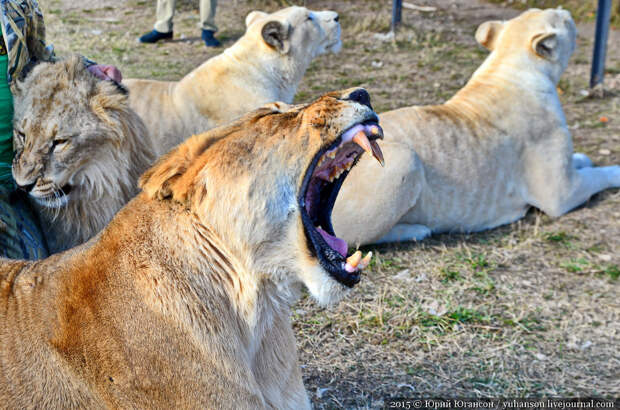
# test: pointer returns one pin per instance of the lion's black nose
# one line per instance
(26, 188)
(361, 96)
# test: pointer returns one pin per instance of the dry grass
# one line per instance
(523, 310)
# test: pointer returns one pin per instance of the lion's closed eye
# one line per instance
(18, 138)
(59, 144)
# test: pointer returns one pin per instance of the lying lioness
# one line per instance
(266, 64)
(480, 160)
(183, 300)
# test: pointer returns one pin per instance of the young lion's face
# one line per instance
(67, 130)
(267, 184)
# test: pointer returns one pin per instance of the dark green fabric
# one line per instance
(6, 126)
(20, 234)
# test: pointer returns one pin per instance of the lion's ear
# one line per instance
(174, 175)
(277, 106)
(545, 45)
(107, 97)
(157, 181)
(75, 67)
(253, 16)
(276, 35)
(488, 32)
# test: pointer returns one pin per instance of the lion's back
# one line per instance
(30, 370)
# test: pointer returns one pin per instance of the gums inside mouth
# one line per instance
(318, 196)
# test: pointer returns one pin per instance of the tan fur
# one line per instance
(184, 299)
(106, 147)
(500, 145)
(244, 77)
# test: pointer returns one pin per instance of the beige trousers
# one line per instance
(165, 13)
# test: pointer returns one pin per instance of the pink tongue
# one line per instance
(337, 244)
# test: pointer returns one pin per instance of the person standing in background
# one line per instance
(163, 26)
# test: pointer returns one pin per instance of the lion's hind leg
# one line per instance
(555, 189)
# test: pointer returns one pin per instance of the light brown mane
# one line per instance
(110, 147)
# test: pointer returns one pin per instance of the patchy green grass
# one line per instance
(575, 265)
(613, 271)
(559, 237)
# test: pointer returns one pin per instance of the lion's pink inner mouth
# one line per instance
(337, 244)
(326, 178)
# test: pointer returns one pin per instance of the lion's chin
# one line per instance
(55, 200)
(335, 47)
(323, 288)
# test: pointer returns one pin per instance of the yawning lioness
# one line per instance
(183, 300)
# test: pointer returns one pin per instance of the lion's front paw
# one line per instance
(581, 161)
(613, 175)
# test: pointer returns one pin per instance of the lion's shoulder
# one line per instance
(10, 271)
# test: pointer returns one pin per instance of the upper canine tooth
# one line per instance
(331, 154)
(355, 259)
(376, 152)
(362, 140)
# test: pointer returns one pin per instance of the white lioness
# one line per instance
(480, 160)
(266, 64)
(184, 300)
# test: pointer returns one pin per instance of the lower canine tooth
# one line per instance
(349, 268)
(355, 259)
(366, 261)
(376, 152)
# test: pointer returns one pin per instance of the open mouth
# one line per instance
(320, 188)
(335, 46)
(56, 199)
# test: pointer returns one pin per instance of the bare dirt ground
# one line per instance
(529, 309)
